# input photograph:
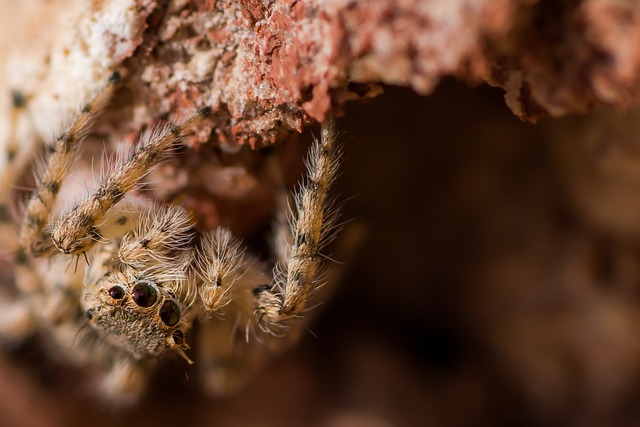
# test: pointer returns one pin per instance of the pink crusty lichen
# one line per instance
(271, 66)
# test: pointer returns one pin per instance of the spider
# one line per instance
(150, 274)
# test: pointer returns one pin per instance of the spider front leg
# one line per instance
(34, 235)
(309, 229)
(80, 228)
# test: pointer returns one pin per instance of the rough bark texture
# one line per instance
(267, 67)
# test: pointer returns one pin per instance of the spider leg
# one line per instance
(16, 158)
(227, 276)
(78, 230)
(39, 302)
(302, 237)
(253, 306)
(34, 236)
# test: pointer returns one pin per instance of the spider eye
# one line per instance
(116, 292)
(90, 314)
(170, 313)
(178, 337)
(144, 294)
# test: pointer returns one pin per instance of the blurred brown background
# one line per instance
(496, 284)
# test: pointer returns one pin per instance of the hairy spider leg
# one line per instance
(34, 235)
(312, 226)
(79, 229)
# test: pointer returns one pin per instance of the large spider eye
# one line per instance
(116, 292)
(144, 294)
(170, 313)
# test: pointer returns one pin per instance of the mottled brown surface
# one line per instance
(568, 56)
(269, 67)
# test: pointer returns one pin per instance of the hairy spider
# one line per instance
(150, 273)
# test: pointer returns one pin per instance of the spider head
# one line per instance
(136, 314)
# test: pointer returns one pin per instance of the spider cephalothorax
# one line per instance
(150, 274)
